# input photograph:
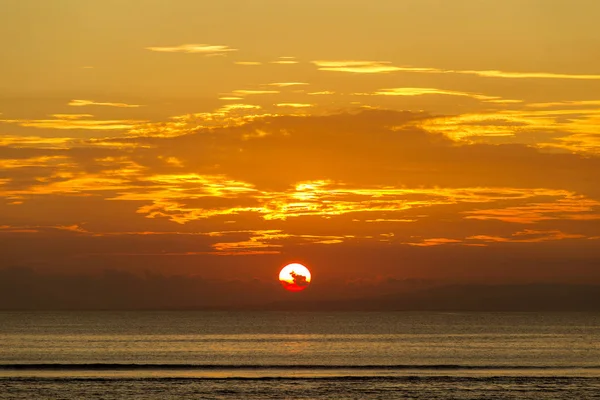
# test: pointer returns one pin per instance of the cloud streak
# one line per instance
(84, 103)
(287, 84)
(76, 123)
(526, 75)
(357, 67)
(204, 49)
(294, 105)
(248, 92)
(429, 91)
(248, 62)
(373, 67)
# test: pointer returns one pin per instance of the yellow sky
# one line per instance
(414, 138)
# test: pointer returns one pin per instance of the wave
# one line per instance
(301, 367)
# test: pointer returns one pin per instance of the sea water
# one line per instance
(296, 355)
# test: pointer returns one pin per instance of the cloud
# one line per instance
(244, 92)
(528, 236)
(392, 143)
(353, 66)
(205, 49)
(562, 104)
(72, 116)
(10, 229)
(231, 107)
(70, 123)
(321, 93)
(389, 220)
(40, 228)
(527, 75)
(434, 242)
(294, 105)
(287, 84)
(248, 62)
(425, 91)
(285, 61)
(36, 141)
(357, 67)
(264, 242)
(571, 207)
(525, 236)
(226, 115)
(83, 103)
(565, 129)
(317, 198)
(578, 143)
(259, 242)
(41, 161)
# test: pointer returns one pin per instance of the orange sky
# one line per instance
(414, 139)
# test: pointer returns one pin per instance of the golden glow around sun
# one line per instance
(295, 277)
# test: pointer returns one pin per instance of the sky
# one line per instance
(202, 145)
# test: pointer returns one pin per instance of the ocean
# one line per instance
(299, 355)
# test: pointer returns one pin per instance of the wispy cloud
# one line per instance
(434, 242)
(226, 115)
(322, 93)
(206, 49)
(294, 105)
(258, 242)
(389, 220)
(35, 141)
(248, 63)
(74, 122)
(424, 91)
(84, 103)
(286, 84)
(365, 67)
(525, 75)
(79, 124)
(42, 161)
(570, 127)
(357, 67)
(569, 208)
(285, 61)
(266, 242)
(243, 92)
(572, 103)
(40, 228)
(71, 116)
(231, 107)
(527, 236)
(311, 198)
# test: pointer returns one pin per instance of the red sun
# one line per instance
(295, 277)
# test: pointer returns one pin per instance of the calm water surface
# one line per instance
(221, 355)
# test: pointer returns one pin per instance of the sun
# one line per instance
(295, 277)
